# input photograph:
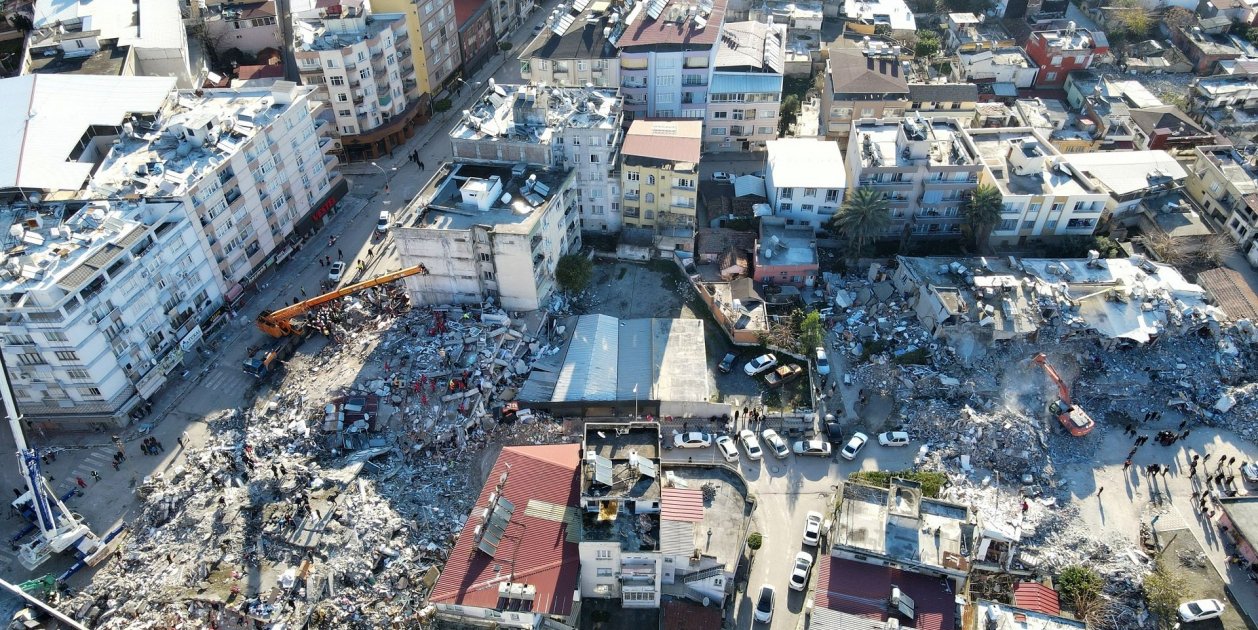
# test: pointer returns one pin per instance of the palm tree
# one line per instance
(865, 214)
(982, 213)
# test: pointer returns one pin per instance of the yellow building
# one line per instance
(659, 175)
(434, 39)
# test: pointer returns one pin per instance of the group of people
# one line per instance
(152, 446)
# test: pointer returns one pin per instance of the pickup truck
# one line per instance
(783, 374)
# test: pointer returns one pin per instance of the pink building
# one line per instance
(785, 254)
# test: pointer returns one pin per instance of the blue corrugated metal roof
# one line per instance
(589, 369)
(743, 82)
(635, 361)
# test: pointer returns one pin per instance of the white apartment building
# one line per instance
(489, 232)
(744, 100)
(578, 129)
(1044, 196)
(805, 180)
(249, 165)
(362, 67)
(118, 37)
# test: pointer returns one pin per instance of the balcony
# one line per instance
(632, 196)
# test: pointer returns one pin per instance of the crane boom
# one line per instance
(1076, 420)
(277, 323)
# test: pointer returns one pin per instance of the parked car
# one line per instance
(764, 604)
(815, 448)
(799, 575)
(834, 433)
(760, 364)
(694, 439)
(751, 444)
(776, 444)
(823, 362)
(893, 438)
(722, 176)
(812, 529)
(336, 271)
(727, 363)
(1200, 610)
(725, 444)
(854, 445)
(783, 375)
(382, 222)
(1249, 472)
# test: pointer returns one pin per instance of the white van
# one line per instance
(382, 224)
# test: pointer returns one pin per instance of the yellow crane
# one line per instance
(279, 323)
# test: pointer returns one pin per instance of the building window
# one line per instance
(1007, 224)
(719, 131)
(364, 73)
(331, 63)
(832, 196)
(1026, 225)
(604, 554)
(484, 257)
(78, 375)
(787, 193)
(337, 80)
(650, 197)
(633, 176)
(67, 355)
(806, 207)
(720, 115)
(650, 180)
(1052, 76)
(31, 358)
(650, 214)
(56, 336)
(341, 97)
(810, 192)
(593, 159)
(784, 207)
(93, 392)
(604, 572)
(488, 275)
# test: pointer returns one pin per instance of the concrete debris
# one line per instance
(333, 500)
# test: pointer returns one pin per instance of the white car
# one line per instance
(893, 438)
(725, 444)
(854, 445)
(812, 529)
(1200, 610)
(815, 448)
(799, 575)
(760, 364)
(764, 604)
(337, 270)
(694, 439)
(382, 222)
(750, 444)
(776, 444)
(722, 176)
(823, 362)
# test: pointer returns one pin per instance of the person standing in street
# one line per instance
(79, 480)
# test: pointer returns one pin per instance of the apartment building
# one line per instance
(805, 180)
(248, 27)
(1059, 52)
(489, 232)
(659, 174)
(969, 32)
(996, 65)
(865, 82)
(252, 166)
(925, 167)
(1044, 196)
(1222, 182)
(893, 14)
(104, 37)
(477, 41)
(661, 53)
(1128, 177)
(361, 65)
(746, 93)
(571, 128)
(434, 41)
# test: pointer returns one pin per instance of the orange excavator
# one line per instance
(279, 323)
(1076, 420)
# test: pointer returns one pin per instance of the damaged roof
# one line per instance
(546, 558)
(864, 590)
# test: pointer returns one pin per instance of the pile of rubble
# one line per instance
(332, 500)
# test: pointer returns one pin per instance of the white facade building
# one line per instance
(805, 180)
(489, 232)
(893, 13)
(1001, 65)
(149, 33)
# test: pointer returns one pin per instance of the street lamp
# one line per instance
(386, 175)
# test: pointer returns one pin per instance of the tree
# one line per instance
(865, 215)
(573, 273)
(1077, 582)
(754, 542)
(1162, 591)
(789, 112)
(927, 45)
(982, 212)
(810, 332)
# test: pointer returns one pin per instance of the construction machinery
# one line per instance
(281, 323)
(264, 361)
(1076, 420)
(58, 529)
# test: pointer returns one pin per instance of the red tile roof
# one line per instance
(863, 589)
(681, 504)
(260, 72)
(534, 550)
(672, 140)
(1037, 597)
(682, 615)
(648, 32)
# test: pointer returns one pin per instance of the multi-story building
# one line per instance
(925, 167)
(1059, 52)
(489, 231)
(248, 28)
(1044, 197)
(996, 65)
(359, 63)
(1167, 127)
(252, 166)
(1127, 177)
(104, 37)
(573, 128)
(746, 92)
(893, 14)
(804, 185)
(666, 49)
(866, 82)
(434, 42)
(968, 32)
(142, 227)
(659, 174)
(507, 14)
(1223, 182)
(476, 33)
(785, 254)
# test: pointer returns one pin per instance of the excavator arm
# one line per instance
(1076, 420)
(278, 323)
(1062, 390)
